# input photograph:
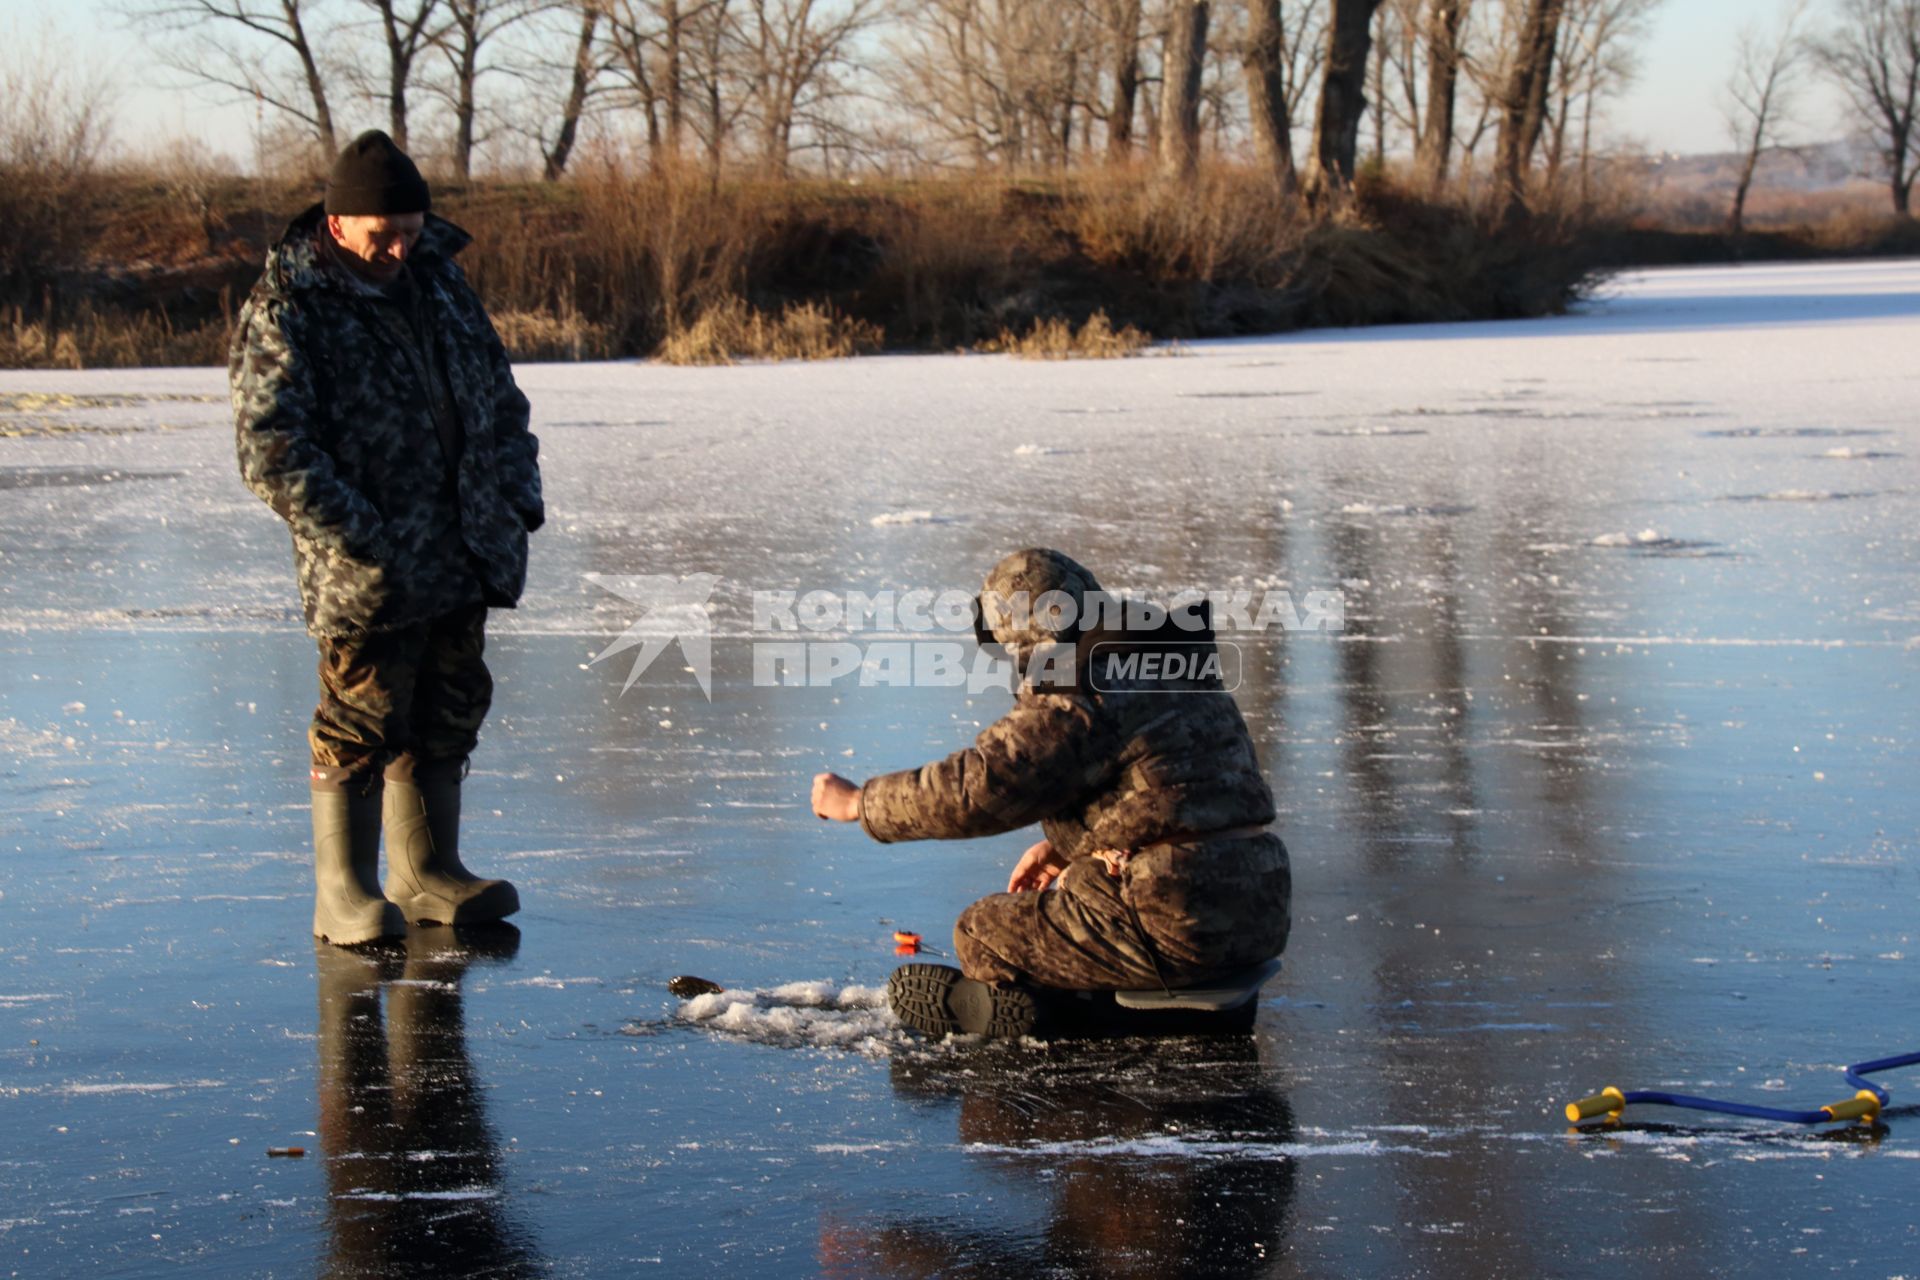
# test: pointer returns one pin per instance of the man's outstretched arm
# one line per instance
(1036, 760)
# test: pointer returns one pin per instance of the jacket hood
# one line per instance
(295, 264)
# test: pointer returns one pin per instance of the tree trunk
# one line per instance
(1180, 97)
(1435, 147)
(1126, 79)
(715, 124)
(1524, 105)
(463, 106)
(1266, 67)
(1066, 110)
(556, 159)
(316, 86)
(1736, 222)
(672, 90)
(1380, 103)
(397, 107)
(1343, 95)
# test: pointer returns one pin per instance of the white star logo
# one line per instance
(671, 610)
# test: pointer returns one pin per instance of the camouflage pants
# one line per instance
(1203, 908)
(415, 694)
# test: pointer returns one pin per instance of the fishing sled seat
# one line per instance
(1226, 1006)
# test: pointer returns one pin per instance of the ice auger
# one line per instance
(1864, 1106)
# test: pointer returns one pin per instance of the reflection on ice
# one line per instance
(412, 1164)
(1174, 1157)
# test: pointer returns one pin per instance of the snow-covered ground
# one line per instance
(1609, 780)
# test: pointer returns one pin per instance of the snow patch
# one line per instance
(1800, 495)
(806, 1014)
(1201, 1146)
(78, 1090)
(1651, 541)
(1644, 538)
(462, 1193)
(889, 518)
(1403, 509)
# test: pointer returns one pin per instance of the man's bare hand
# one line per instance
(835, 798)
(1036, 869)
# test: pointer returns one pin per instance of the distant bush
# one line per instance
(1057, 339)
(543, 335)
(730, 330)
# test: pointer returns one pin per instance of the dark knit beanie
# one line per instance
(372, 176)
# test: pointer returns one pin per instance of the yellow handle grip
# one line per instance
(1609, 1101)
(1861, 1106)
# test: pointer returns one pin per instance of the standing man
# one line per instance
(377, 415)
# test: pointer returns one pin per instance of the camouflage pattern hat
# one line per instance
(1019, 610)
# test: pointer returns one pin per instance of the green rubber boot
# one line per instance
(347, 907)
(424, 873)
(937, 1001)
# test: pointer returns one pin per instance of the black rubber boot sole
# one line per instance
(941, 1001)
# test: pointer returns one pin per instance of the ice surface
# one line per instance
(1592, 720)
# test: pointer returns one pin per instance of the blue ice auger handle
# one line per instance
(1865, 1105)
(1858, 1070)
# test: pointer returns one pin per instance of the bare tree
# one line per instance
(707, 67)
(1000, 80)
(406, 32)
(792, 53)
(1265, 58)
(581, 74)
(222, 49)
(1445, 22)
(1343, 95)
(1600, 46)
(657, 45)
(1120, 21)
(470, 26)
(673, 71)
(1394, 83)
(1874, 55)
(633, 37)
(1306, 45)
(1759, 96)
(1523, 104)
(1180, 99)
(56, 116)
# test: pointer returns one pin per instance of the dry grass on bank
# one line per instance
(731, 330)
(109, 341)
(612, 264)
(1057, 339)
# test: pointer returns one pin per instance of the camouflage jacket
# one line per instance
(1121, 768)
(334, 399)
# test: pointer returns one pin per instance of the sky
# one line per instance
(1672, 106)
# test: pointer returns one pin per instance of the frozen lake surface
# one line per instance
(1610, 780)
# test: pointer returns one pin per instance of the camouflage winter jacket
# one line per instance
(1122, 768)
(334, 399)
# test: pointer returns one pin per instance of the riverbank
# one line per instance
(143, 270)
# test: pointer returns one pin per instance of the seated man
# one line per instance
(1153, 807)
